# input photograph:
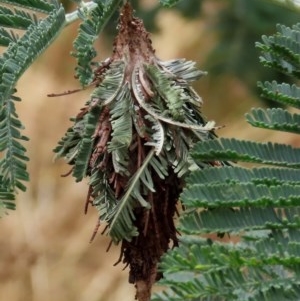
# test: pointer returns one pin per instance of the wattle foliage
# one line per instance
(41, 22)
(21, 51)
(133, 139)
(257, 207)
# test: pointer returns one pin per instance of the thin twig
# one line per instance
(85, 7)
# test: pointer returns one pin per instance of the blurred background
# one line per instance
(45, 252)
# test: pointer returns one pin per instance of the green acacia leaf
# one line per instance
(19, 55)
(271, 176)
(89, 30)
(17, 19)
(86, 143)
(274, 119)
(282, 93)
(104, 198)
(171, 93)
(239, 221)
(201, 270)
(256, 210)
(121, 220)
(247, 151)
(35, 5)
(121, 120)
(183, 69)
(240, 194)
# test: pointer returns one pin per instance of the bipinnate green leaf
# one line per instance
(42, 6)
(247, 151)
(256, 209)
(204, 270)
(275, 119)
(281, 51)
(86, 143)
(89, 30)
(285, 94)
(20, 53)
(121, 222)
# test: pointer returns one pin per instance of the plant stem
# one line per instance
(85, 6)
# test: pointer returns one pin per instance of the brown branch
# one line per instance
(67, 173)
(65, 93)
(95, 231)
(88, 201)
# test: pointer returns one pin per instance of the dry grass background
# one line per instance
(45, 253)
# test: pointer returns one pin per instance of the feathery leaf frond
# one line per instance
(7, 197)
(93, 23)
(257, 207)
(247, 151)
(17, 19)
(274, 119)
(42, 6)
(183, 69)
(121, 137)
(282, 93)
(121, 224)
(215, 271)
(233, 174)
(104, 200)
(281, 51)
(171, 93)
(19, 55)
(240, 194)
(239, 221)
(86, 144)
